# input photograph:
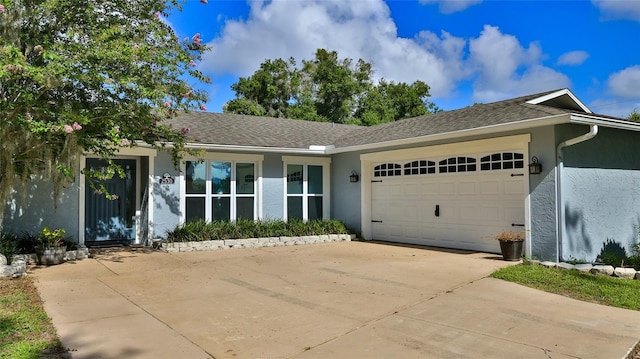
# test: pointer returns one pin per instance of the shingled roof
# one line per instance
(476, 116)
(252, 131)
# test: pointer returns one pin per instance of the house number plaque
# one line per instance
(167, 179)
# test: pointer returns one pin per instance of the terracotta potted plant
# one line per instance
(511, 244)
(51, 248)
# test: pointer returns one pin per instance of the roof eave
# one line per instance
(314, 150)
(486, 130)
(553, 95)
(605, 122)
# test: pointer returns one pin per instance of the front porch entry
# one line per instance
(112, 221)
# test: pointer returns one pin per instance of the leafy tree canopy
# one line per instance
(93, 76)
(328, 89)
(634, 116)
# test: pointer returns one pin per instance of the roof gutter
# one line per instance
(314, 150)
(611, 123)
(593, 131)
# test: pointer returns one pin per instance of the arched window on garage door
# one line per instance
(457, 164)
(421, 167)
(502, 161)
(387, 170)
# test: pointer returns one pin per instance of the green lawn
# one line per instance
(616, 292)
(26, 331)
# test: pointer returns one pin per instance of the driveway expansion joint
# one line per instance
(158, 319)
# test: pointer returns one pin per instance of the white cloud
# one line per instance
(451, 6)
(497, 63)
(573, 58)
(619, 9)
(625, 83)
(614, 106)
(506, 69)
(353, 28)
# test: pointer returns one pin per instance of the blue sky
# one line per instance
(466, 50)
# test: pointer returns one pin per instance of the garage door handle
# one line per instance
(517, 174)
(437, 210)
(376, 221)
(517, 224)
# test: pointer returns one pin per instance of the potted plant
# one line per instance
(511, 244)
(51, 248)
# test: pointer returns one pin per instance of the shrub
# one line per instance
(200, 230)
(612, 253)
(510, 236)
(8, 245)
(25, 243)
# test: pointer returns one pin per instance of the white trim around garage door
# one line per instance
(368, 161)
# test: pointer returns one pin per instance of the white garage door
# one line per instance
(454, 202)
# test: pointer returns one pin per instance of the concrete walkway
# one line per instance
(337, 300)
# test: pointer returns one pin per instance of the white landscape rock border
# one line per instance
(173, 247)
(19, 262)
(601, 269)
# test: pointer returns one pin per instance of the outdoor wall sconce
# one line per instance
(535, 167)
(354, 177)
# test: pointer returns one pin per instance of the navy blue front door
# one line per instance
(111, 219)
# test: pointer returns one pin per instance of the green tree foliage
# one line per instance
(634, 116)
(267, 92)
(89, 76)
(328, 89)
(389, 102)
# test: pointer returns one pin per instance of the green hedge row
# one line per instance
(218, 230)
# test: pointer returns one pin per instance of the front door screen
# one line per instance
(111, 219)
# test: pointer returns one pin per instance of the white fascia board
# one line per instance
(139, 150)
(604, 122)
(487, 130)
(238, 148)
(559, 93)
(321, 147)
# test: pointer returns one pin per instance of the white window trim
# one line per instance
(325, 162)
(222, 157)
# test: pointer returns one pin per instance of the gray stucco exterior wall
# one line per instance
(601, 192)
(346, 196)
(39, 209)
(166, 197)
(542, 194)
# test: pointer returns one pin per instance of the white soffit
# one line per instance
(561, 99)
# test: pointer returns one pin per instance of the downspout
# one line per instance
(593, 131)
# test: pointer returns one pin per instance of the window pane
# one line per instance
(220, 208)
(244, 208)
(294, 207)
(196, 174)
(245, 177)
(315, 207)
(315, 179)
(195, 208)
(221, 177)
(294, 180)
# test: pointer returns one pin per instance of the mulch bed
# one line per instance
(635, 353)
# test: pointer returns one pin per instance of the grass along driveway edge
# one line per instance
(26, 331)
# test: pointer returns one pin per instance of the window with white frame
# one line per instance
(220, 190)
(306, 188)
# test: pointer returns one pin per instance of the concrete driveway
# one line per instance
(335, 300)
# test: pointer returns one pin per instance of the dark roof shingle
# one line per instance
(241, 130)
(480, 115)
(252, 131)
